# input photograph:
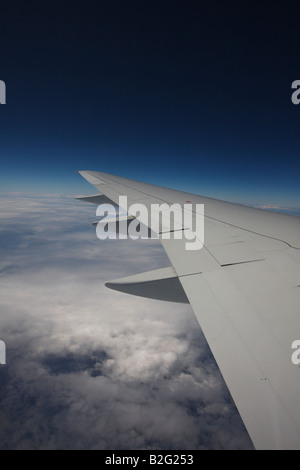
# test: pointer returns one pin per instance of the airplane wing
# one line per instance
(244, 288)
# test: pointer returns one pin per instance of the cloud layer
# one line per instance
(90, 368)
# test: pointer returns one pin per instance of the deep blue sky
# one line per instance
(191, 95)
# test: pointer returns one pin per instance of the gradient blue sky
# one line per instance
(188, 95)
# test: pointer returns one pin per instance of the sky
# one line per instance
(191, 95)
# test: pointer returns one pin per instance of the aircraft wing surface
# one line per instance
(244, 288)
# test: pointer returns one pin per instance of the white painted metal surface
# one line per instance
(244, 287)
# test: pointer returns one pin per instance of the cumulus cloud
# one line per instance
(90, 368)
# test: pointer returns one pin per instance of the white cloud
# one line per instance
(92, 368)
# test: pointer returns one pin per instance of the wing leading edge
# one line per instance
(244, 288)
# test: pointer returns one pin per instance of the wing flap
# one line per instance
(96, 199)
(160, 284)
